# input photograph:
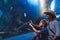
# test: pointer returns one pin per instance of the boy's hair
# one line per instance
(45, 22)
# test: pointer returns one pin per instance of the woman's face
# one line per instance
(48, 16)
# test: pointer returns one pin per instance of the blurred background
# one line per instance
(15, 15)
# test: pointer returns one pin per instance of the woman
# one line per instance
(53, 25)
(43, 32)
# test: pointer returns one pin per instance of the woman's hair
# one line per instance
(44, 22)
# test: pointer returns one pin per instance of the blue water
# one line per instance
(22, 37)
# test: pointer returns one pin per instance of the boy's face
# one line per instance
(41, 23)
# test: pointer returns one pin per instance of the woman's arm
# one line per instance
(57, 29)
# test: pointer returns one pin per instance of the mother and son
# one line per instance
(47, 30)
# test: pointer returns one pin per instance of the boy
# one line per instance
(43, 32)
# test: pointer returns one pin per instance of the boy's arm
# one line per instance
(34, 28)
